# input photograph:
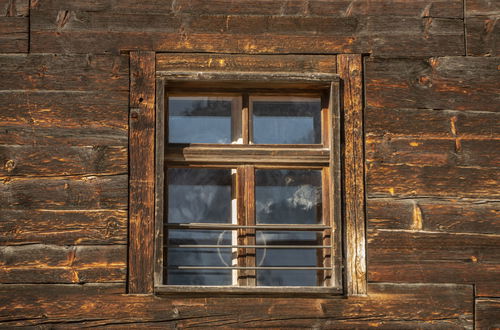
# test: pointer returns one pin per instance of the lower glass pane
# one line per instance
(288, 257)
(181, 253)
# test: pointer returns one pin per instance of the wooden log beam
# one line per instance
(142, 171)
(350, 68)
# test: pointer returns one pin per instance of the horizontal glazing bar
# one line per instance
(253, 268)
(258, 227)
(251, 246)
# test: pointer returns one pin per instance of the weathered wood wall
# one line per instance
(431, 127)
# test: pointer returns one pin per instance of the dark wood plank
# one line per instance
(433, 151)
(48, 136)
(388, 305)
(482, 29)
(425, 123)
(417, 8)
(454, 83)
(487, 313)
(64, 193)
(350, 70)
(430, 257)
(14, 34)
(63, 227)
(483, 35)
(56, 27)
(40, 263)
(64, 72)
(448, 215)
(487, 289)
(142, 172)
(29, 160)
(248, 63)
(14, 8)
(443, 181)
(64, 109)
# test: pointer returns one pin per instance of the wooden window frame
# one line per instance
(147, 169)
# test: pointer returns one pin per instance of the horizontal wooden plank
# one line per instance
(60, 29)
(433, 151)
(425, 123)
(487, 313)
(49, 136)
(487, 289)
(64, 109)
(65, 193)
(33, 160)
(14, 8)
(249, 63)
(430, 257)
(481, 7)
(63, 227)
(401, 306)
(452, 216)
(64, 72)
(483, 35)
(455, 83)
(40, 263)
(14, 34)
(417, 8)
(246, 155)
(443, 181)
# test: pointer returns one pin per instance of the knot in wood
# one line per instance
(10, 165)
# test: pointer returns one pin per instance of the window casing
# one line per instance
(257, 164)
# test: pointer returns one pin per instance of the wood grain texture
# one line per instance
(438, 181)
(350, 71)
(388, 305)
(449, 83)
(428, 214)
(63, 227)
(14, 34)
(96, 28)
(482, 27)
(14, 8)
(487, 313)
(431, 257)
(41, 263)
(64, 72)
(142, 172)
(64, 193)
(28, 160)
(249, 63)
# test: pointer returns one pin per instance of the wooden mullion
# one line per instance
(141, 172)
(242, 206)
(250, 221)
(246, 119)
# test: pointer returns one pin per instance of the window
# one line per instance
(285, 176)
(251, 184)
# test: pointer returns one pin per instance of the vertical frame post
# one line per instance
(141, 172)
(349, 68)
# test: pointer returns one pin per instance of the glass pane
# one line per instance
(200, 257)
(286, 120)
(288, 196)
(289, 257)
(199, 195)
(200, 119)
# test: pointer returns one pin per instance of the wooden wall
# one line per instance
(432, 96)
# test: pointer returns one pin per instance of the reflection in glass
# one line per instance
(178, 256)
(288, 196)
(289, 257)
(199, 119)
(199, 195)
(286, 120)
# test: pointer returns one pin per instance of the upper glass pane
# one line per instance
(200, 119)
(288, 196)
(199, 195)
(286, 120)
